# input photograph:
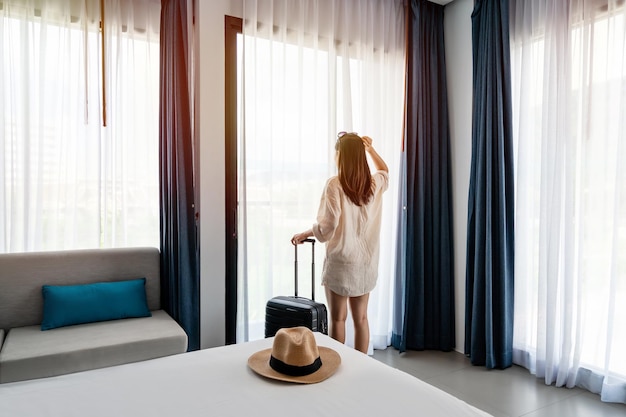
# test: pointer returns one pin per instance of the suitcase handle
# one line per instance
(312, 268)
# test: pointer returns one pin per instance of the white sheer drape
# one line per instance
(311, 69)
(65, 180)
(569, 77)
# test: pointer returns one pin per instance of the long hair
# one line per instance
(354, 172)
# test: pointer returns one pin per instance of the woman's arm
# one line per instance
(327, 215)
(379, 163)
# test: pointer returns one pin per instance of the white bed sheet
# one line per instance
(218, 382)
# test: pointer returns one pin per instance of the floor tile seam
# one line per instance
(481, 403)
(571, 392)
(440, 374)
(555, 401)
(550, 401)
(596, 397)
(568, 398)
(452, 391)
(415, 366)
(461, 396)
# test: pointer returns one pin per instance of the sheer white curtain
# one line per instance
(569, 77)
(66, 181)
(311, 69)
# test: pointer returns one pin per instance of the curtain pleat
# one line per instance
(568, 75)
(427, 289)
(179, 247)
(398, 337)
(490, 223)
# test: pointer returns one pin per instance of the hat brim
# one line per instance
(259, 362)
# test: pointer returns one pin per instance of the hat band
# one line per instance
(292, 370)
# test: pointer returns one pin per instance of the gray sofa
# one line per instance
(27, 352)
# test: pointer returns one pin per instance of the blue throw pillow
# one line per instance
(65, 305)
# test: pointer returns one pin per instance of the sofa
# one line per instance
(38, 337)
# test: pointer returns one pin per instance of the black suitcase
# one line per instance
(287, 311)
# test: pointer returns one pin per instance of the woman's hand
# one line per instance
(378, 161)
(298, 238)
(367, 142)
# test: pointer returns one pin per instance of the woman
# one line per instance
(348, 220)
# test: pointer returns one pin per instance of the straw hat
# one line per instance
(295, 357)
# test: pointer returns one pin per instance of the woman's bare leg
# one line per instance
(338, 312)
(358, 307)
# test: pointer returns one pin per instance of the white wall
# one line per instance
(458, 44)
(210, 134)
(210, 131)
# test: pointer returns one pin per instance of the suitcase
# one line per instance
(292, 311)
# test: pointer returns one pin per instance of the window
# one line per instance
(569, 96)
(67, 180)
(302, 84)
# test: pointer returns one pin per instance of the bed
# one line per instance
(218, 382)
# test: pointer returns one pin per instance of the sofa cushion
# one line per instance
(66, 305)
(29, 353)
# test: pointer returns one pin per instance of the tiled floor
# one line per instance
(512, 392)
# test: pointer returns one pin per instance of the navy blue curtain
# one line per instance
(426, 282)
(179, 247)
(490, 222)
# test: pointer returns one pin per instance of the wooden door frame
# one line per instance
(232, 27)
